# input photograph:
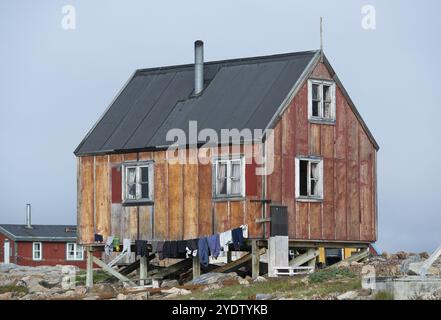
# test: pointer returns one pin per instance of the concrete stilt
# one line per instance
(196, 267)
(89, 268)
(143, 270)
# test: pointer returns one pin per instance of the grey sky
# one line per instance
(54, 84)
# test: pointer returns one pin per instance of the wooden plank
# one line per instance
(315, 218)
(112, 272)
(302, 122)
(102, 196)
(288, 193)
(314, 139)
(161, 218)
(328, 200)
(340, 199)
(340, 126)
(302, 221)
(275, 181)
(221, 219)
(205, 225)
(366, 201)
(289, 129)
(253, 212)
(353, 202)
(237, 213)
(116, 219)
(145, 222)
(87, 200)
(191, 202)
(321, 72)
(255, 259)
(327, 141)
(175, 202)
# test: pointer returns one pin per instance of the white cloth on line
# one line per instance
(108, 247)
(225, 239)
(127, 246)
(244, 231)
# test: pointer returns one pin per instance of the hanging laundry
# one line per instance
(166, 250)
(225, 239)
(127, 246)
(154, 246)
(98, 238)
(237, 236)
(182, 244)
(203, 251)
(141, 248)
(214, 245)
(174, 249)
(192, 247)
(245, 231)
(116, 244)
(159, 249)
(108, 247)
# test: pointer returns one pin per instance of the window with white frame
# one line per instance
(321, 100)
(138, 182)
(37, 251)
(74, 251)
(229, 177)
(309, 178)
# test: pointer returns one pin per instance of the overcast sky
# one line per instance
(55, 83)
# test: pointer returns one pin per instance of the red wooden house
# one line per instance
(36, 245)
(321, 175)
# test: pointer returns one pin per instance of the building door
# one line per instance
(279, 221)
(6, 251)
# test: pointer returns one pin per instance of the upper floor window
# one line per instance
(138, 182)
(321, 100)
(309, 178)
(37, 249)
(229, 177)
(74, 252)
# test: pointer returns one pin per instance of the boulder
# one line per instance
(402, 255)
(104, 290)
(424, 255)
(80, 290)
(243, 281)
(121, 296)
(214, 277)
(169, 283)
(350, 295)
(260, 279)
(174, 292)
(213, 286)
(263, 296)
(6, 296)
(50, 284)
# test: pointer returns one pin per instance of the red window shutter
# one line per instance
(251, 179)
(116, 185)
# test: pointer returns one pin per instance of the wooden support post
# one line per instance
(89, 268)
(112, 272)
(255, 259)
(311, 263)
(229, 253)
(143, 270)
(196, 267)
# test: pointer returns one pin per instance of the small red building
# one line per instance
(36, 245)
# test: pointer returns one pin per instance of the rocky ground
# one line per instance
(335, 283)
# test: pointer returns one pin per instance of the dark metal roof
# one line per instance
(19, 232)
(238, 94)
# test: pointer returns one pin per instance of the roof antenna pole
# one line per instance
(321, 39)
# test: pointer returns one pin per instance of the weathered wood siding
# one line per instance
(348, 210)
(183, 206)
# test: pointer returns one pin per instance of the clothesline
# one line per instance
(204, 247)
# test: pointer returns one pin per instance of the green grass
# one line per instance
(15, 289)
(383, 295)
(329, 274)
(98, 277)
(284, 287)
